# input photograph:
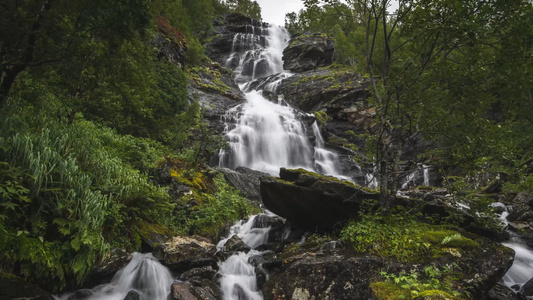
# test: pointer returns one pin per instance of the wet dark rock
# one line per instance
(104, 271)
(184, 253)
(527, 288)
(311, 200)
(220, 47)
(261, 276)
(81, 294)
(199, 273)
(215, 99)
(245, 180)
(307, 52)
(14, 287)
(235, 244)
(341, 94)
(187, 291)
(133, 295)
(330, 277)
(276, 224)
(501, 292)
(271, 246)
(524, 198)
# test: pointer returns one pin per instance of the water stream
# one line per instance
(522, 269)
(264, 135)
(143, 275)
(238, 277)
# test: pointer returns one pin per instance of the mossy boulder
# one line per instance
(311, 200)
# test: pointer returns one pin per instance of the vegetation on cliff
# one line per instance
(91, 105)
(454, 74)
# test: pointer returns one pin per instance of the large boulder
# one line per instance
(308, 51)
(184, 253)
(312, 200)
(103, 271)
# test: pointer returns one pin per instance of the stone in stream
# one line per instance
(133, 295)
(184, 253)
(188, 291)
(81, 294)
(235, 244)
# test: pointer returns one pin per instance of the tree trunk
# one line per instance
(7, 83)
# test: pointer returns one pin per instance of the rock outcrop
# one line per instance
(214, 87)
(324, 277)
(245, 180)
(307, 52)
(321, 268)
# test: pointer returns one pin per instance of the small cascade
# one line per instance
(522, 269)
(144, 274)
(257, 52)
(238, 278)
(326, 162)
(420, 176)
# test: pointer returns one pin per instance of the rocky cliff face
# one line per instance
(308, 52)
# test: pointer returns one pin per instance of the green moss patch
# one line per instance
(405, 239)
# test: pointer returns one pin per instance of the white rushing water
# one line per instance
(144, 274)
(522, 269)
(238, 279)
(264, 135)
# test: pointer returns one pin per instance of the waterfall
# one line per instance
(238, 278)
(264, 135)
(143, 274)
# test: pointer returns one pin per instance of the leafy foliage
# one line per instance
(432, 282)
(249, 8)
(403, 238)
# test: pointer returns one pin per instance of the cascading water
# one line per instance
(144, 274)
(238, 278)
(522, 269)
(263, 135)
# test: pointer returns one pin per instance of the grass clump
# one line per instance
(404, 238)
(432, 283)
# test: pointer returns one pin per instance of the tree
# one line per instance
(247, 8)
(430, 58)
(45, 32)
